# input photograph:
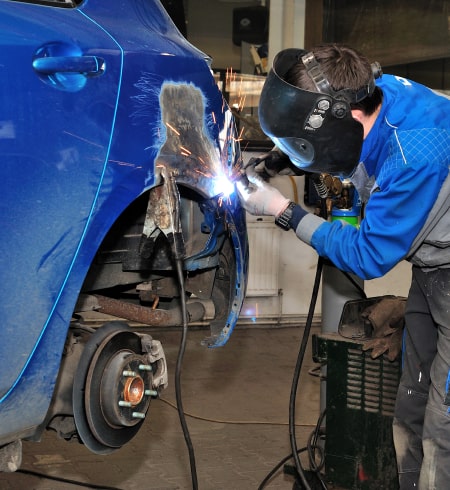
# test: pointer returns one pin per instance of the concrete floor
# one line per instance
(236, 400)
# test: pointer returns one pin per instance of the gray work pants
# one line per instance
(422, 412)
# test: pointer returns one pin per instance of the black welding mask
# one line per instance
(315, 129)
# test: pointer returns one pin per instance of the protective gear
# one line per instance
(387, 318)
(260, 198)
(315, 129)
(412, 126)
(274, 162)
(390, 345)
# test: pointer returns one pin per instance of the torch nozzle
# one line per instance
(241, 177)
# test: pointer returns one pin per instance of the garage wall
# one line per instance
(210, 28)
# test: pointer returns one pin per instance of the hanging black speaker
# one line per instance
(250, 25)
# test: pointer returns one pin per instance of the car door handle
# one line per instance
(90, 66)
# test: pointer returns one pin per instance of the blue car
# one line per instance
(118, 157)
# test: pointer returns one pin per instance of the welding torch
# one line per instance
(270, 163)
(241, 175)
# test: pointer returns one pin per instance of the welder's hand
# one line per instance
(260, 198)
(272, 163)
(391, 345)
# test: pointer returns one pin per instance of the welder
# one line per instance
(330, 110)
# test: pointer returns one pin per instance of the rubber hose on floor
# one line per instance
(300, 357)
(187, 437)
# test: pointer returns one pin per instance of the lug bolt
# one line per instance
(130, 374)
(138, 415)
(123, 403)
(145, 367)
(151, 392)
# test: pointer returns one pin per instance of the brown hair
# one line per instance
(344, 68)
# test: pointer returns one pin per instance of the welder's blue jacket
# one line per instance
(404, 177)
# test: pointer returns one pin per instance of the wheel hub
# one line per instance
(118, 374)
(126, 389)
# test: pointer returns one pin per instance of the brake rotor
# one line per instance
(112, 388)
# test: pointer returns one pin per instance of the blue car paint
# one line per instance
(76, 151)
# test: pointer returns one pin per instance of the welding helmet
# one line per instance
(315, 129)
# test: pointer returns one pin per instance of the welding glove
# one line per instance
(274, 162)
(260, 198)
(391, 345)
(387, 320)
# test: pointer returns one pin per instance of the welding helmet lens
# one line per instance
(315, 129)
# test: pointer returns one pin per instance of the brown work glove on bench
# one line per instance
(387, 318)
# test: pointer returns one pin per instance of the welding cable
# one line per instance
(296, 377)
(357, 286)
(178, 254)
(310, 448)
(320, 188)
(59, 479)
(277, 467)
(314, 447)
(178, 368)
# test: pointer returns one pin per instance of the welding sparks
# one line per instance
(172, 128)
(216, 167)
(207, 175)
(185, 152)
(222, 198)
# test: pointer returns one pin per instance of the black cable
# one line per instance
(312, 442)
(179, 252)
(354, 283)
(323, 193)
(277, 467)
(311, 447)
(65, 480)
(296, 376)
(187, 438)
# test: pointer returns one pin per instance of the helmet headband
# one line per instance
(322, 84)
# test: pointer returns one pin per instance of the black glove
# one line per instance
(272, 163)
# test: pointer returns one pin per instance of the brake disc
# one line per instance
(112, 389)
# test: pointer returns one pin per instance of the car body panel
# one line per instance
(46, 228)
(77, 149)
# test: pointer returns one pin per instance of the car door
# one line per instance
(60, 79)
